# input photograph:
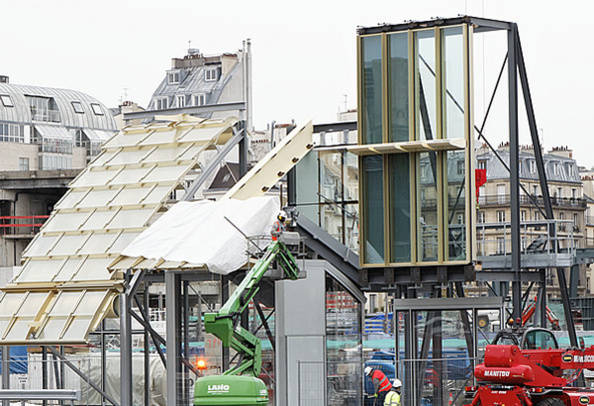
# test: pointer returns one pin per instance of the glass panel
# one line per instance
(307, 187)
(352, 227)
(456, 209)
(130, 196)
(131, 218)
(371, 89)
(343, 343)
(68, 245)
(129, 157)
(201, 134)
(165, 136)
(157, 195)
(104, 157)
(68, 270)
(400, 207)
(168, 173)
(373, 216)
(427, 229)
(98, 220)
(125, 140)
(398, 98)
(97, 244)
(66, 222)
(38, 271)
(453, 78)
(70, 199)
(122, 242)
(130, 176)
(94, 178)
(92, 269)
(331, 190)
(40, 246)
(425, 85)
(98, 198)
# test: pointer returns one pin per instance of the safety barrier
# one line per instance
(10, 225)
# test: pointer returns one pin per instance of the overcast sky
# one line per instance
(304, 52)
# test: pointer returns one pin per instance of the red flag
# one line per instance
(480, 178)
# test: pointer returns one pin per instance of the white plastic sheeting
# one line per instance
(197, 232)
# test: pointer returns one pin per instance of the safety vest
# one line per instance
(277, 228)
(384, 382)
(392, 399)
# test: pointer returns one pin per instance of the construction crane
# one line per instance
(531, 309)
(533, 371)
(240, 385)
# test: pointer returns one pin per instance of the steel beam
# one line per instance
(514, 166)
(214, 164)
(74, 369)
(172, 320)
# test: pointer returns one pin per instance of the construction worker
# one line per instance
(279, 225)
(381, 384)
(393, 397)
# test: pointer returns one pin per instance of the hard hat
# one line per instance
(282, 215)
(368, 370)
(397, 383)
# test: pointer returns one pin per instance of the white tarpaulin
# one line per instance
(197, 232)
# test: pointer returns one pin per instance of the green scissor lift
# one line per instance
(240, 385)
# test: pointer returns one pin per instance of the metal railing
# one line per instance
(12, 225)
(46, 115)
(525, 199)
(495, 238)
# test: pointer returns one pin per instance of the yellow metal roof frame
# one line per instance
(60, 295)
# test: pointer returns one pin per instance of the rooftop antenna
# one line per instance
(345, 101)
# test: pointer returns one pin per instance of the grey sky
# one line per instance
(304, 53)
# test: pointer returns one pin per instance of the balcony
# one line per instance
(45, 115)
(505, 200)
(21, 225)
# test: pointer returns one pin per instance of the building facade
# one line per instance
(47, 136)
(568, 201)
(198, 80)
(45, 128)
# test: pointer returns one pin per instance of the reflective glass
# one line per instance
(398, 98)
(425, 85)
(344, 360)
(371, 88)
(400, 207)
(427, 229)
(453, 78)
(373, 198)
(456, 207)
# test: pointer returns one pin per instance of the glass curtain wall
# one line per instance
(371, 87)
(343, 343)
(427, 71)
(327, 192)
(373, 207)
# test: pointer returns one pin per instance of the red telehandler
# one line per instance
(528, 368)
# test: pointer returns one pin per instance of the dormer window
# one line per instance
(6, 100)
(161, 103)
(556, 168)
(97, 109)
(181, 100)
(570, 170)
(532, 166)
(199, 99)
(210, 74)
(173, 77)
(77, 107)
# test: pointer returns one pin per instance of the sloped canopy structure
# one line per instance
(65, 289)
(142, 254)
